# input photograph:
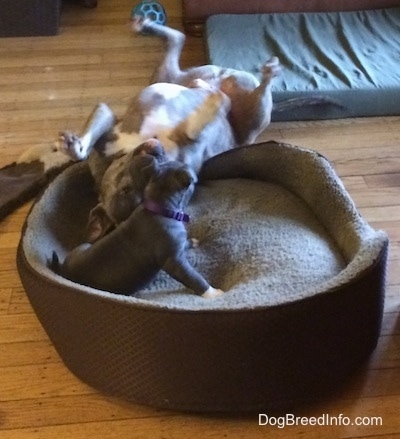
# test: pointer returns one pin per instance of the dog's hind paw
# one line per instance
(212, 293)
(271, 69)
(141, 24)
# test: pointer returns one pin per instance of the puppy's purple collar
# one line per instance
(159, 209)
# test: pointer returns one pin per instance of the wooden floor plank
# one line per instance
(74, 409)
(19, 302)
(5, 298)
(383, 180)
(20, 327)
(39, 380)
(27, 353)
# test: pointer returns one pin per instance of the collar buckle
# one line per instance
(158, 209)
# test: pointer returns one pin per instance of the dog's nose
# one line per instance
(152, 147)
(152, 143)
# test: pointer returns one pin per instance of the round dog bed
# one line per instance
(302, 271)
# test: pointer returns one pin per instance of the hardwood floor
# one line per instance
(52, 83)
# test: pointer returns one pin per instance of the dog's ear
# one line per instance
(99, 224)
(185, 177)
(146, 165)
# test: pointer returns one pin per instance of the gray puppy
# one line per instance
(153, 238)
(120, 182)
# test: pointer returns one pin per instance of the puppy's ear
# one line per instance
(146, 164)
(99, 224)
(185, 177)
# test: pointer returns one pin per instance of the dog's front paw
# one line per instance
(212, 292)
(70, 144)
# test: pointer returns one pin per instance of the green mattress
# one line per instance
(352, 57)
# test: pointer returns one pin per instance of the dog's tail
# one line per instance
(54, 263)
(306, 101)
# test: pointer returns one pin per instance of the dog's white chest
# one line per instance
(155, 122)
(124, 142)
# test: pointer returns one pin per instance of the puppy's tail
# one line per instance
(306, 101)
(54, 263)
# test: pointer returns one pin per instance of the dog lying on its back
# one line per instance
(195, 113)
(153, 238)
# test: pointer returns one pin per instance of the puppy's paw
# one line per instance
(193, 243)
(212, 293)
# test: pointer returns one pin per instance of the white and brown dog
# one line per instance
(195, 113)
(180, 104)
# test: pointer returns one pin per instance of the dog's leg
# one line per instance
(99, 122)
(180, 269)
(253, 115)
(169, 70)
(57, 266)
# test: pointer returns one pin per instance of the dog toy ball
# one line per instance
(151, 9)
